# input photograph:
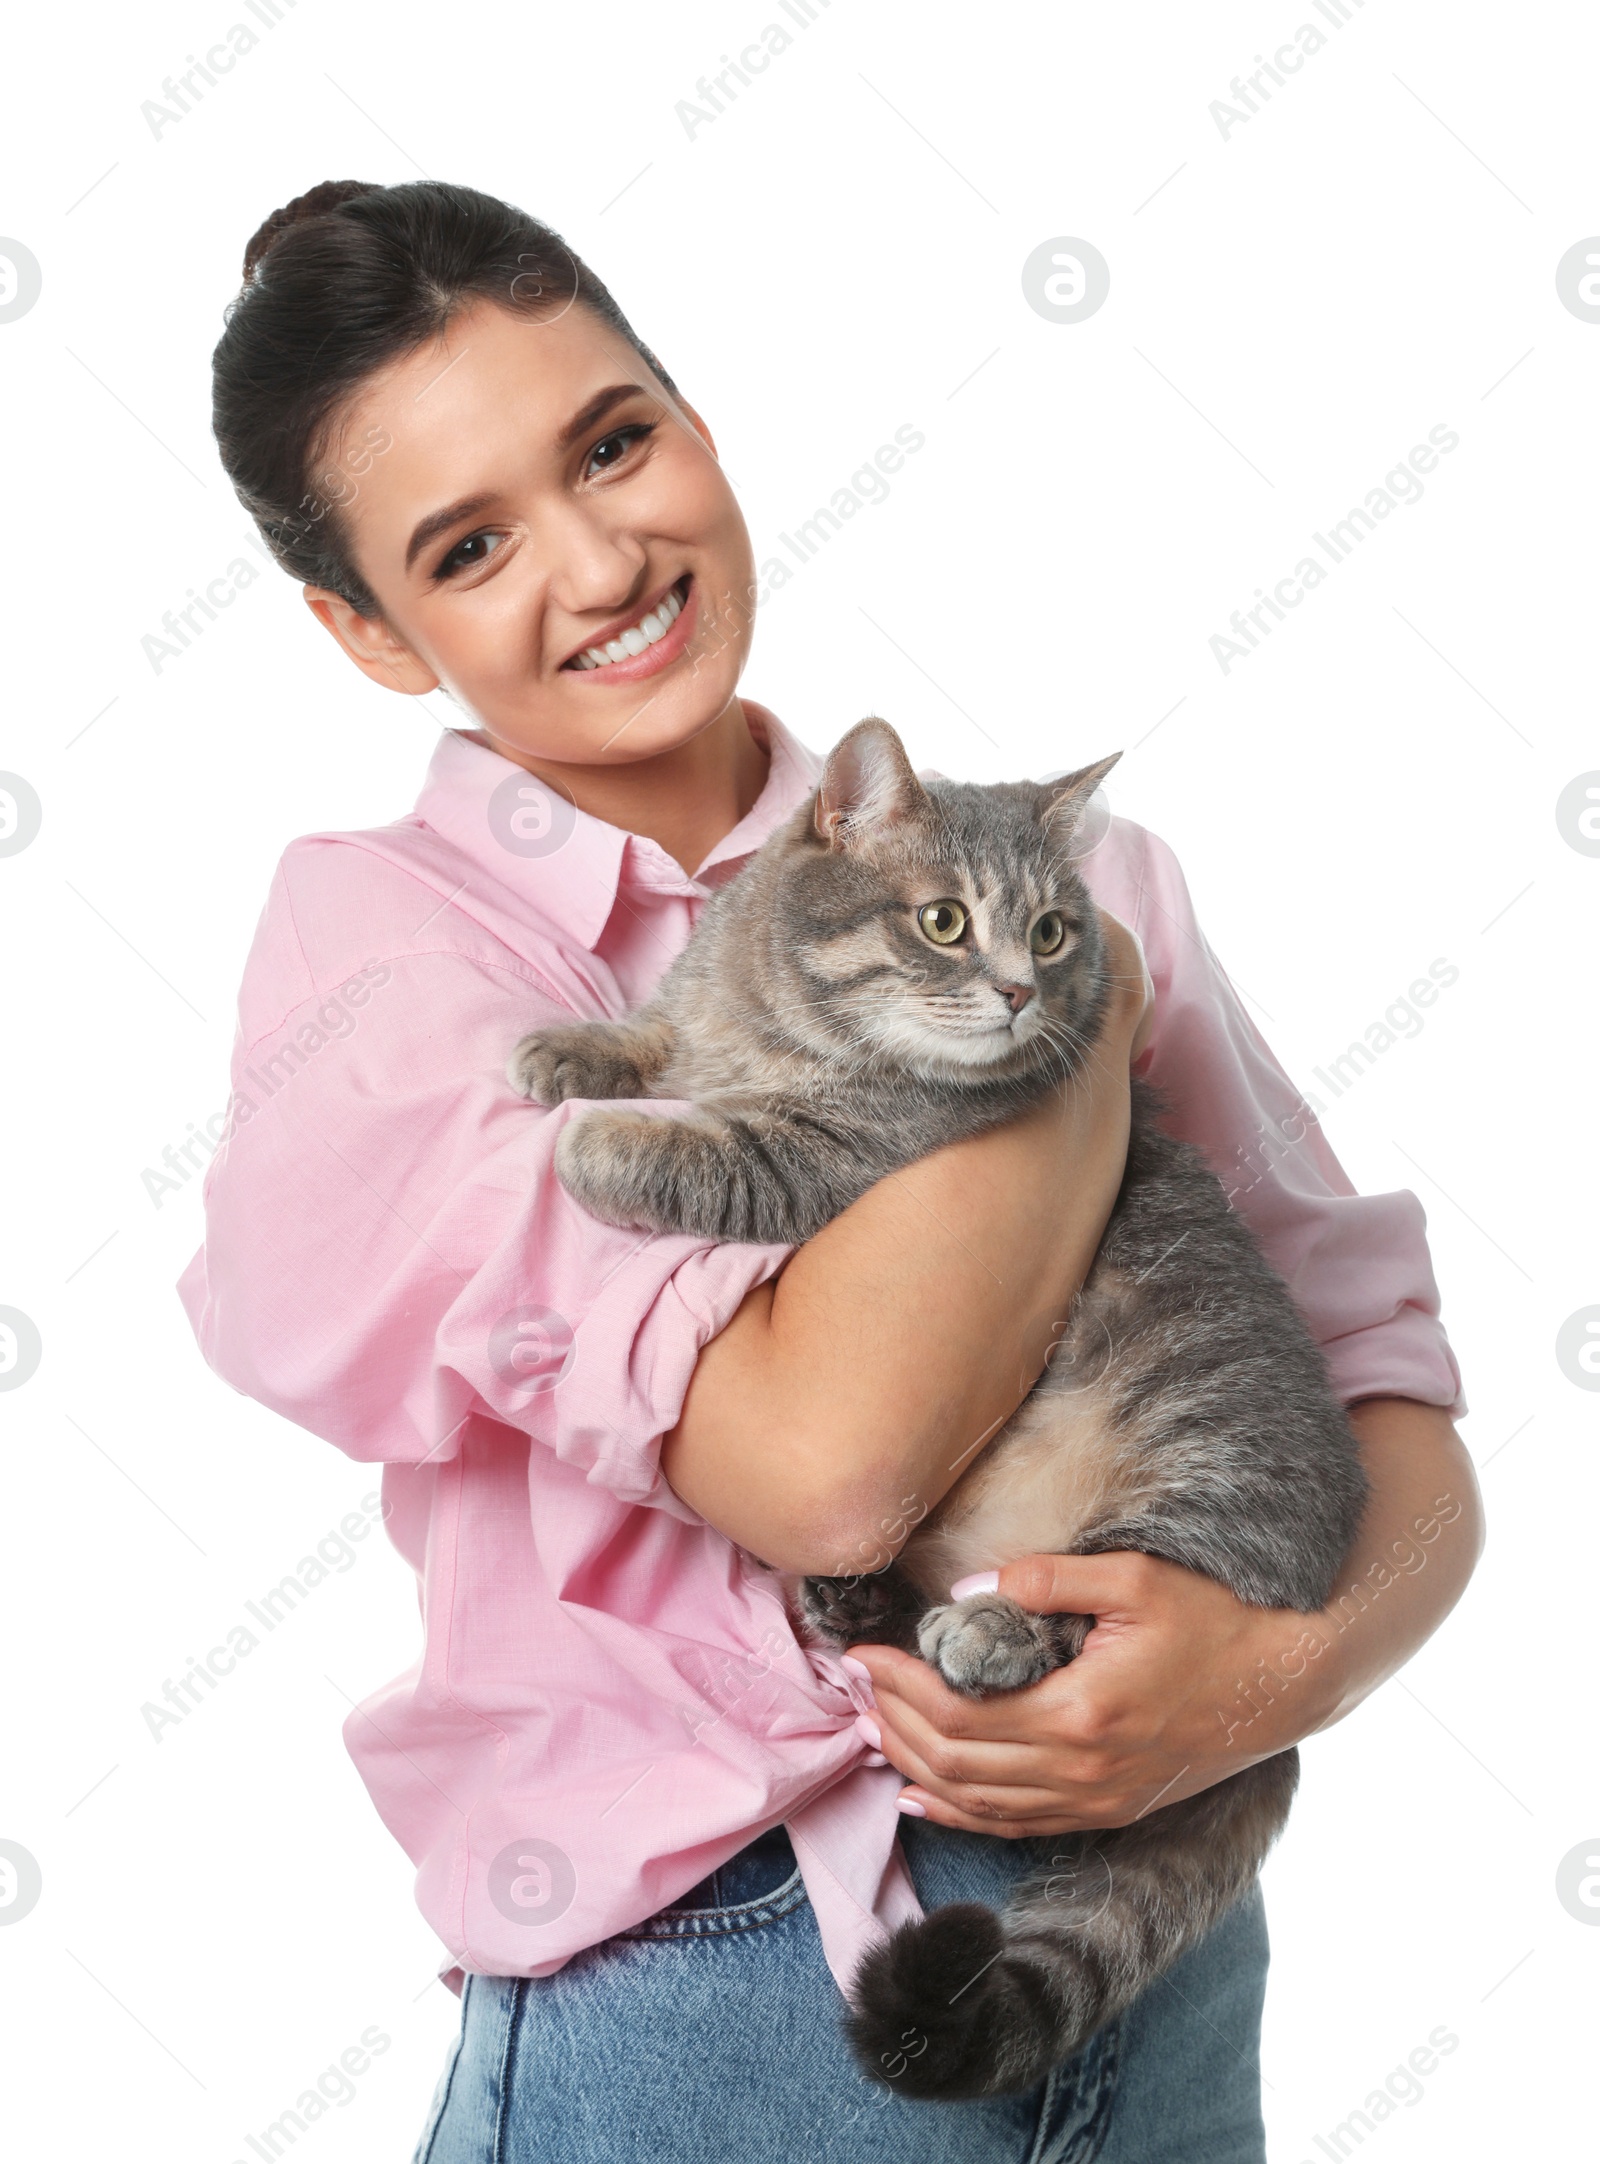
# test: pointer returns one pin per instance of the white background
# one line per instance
(1292, 307)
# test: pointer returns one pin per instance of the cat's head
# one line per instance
(943, 927)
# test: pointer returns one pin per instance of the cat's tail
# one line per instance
(968, 2003)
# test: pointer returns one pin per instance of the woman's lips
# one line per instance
(634, 667)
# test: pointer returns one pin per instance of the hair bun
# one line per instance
(315, 203)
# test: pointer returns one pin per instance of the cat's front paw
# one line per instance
(573, 1059)
(604, 1161)
(987, 1643)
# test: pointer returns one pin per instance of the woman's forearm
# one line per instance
(1420, 1539)
(849, 1394)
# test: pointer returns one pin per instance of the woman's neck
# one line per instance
(686, 799)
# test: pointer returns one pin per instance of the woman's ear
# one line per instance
(696, 423)
(371, 645)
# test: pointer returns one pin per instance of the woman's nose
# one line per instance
(593, 568)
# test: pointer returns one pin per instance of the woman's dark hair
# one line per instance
(341, 281)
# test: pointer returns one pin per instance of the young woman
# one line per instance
(653, 1830)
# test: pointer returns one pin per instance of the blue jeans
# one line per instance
(711, 2032)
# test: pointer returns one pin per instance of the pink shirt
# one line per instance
(609, 1700)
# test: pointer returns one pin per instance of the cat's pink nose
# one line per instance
(1016, 996)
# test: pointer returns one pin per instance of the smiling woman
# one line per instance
(547, 529)
(640, 1806)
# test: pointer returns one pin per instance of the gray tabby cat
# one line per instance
(900, 965)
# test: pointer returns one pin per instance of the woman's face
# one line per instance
(538, 499)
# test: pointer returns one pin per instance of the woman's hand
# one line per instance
(1130, 974)
(1179, 1684)
(1165, 1699)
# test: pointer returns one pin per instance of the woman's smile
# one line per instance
(645, 642)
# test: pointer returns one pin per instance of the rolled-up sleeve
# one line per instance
(1357, 1265)
(388, 1251)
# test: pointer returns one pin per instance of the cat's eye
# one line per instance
(1048, 933)
(943, 922)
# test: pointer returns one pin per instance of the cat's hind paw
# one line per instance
(987, 1643)
(879, 1607)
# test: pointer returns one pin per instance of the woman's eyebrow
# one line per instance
(596, 410)
(439, 522)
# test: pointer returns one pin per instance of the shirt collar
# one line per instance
(571, 872)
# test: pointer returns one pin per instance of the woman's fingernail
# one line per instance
(863, 1675)
(981, 1581)
(909, 1807)
(868, 1727)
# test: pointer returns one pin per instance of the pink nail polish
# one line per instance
(981, 1581)
(868, 1727)
(862, 1674)
(909, 1807)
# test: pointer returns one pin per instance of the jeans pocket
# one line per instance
(759, 1885)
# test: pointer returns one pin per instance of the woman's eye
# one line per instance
(613, 449)
(943, 922)
(468, 554)
(1048, 933)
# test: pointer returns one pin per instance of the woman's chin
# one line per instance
(678, 711)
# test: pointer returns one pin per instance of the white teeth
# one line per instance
(637, 637)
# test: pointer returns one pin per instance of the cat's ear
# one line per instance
(867, 785)
(1064, 799)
